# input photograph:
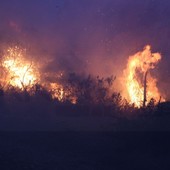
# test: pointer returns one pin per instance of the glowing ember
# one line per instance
(138, 79)
(57, 91)
(18, 71)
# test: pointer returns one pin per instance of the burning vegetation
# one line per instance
(22, 77)
(16, 71)
(19, 73)
(140, 84)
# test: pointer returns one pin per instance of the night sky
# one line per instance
(89, 36)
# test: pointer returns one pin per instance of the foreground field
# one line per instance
(84, 150)
(101, 123)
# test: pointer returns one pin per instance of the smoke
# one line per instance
(88, 36)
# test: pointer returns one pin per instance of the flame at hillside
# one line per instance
(140, 85)
(17, 71)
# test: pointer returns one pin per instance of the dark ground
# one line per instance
(84, 150)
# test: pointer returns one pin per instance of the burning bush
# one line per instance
(16, 71)
(22, 80)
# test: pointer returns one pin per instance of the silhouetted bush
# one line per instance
(82, 95)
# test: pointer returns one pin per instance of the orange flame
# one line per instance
(57, 91)
(18, 71)
(138, 66)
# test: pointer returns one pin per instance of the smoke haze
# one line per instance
(88, 36)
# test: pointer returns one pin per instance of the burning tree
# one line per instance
(20, 73)
(141, 86)
(16, 70)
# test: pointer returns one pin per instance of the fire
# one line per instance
(18, 72)
(57, 91)
(140, 85)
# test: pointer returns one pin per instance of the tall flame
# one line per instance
(138, 78)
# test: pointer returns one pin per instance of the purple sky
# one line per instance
(91, 36)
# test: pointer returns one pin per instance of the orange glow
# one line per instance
(57, 91)
(18, 71)
(137, 67)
